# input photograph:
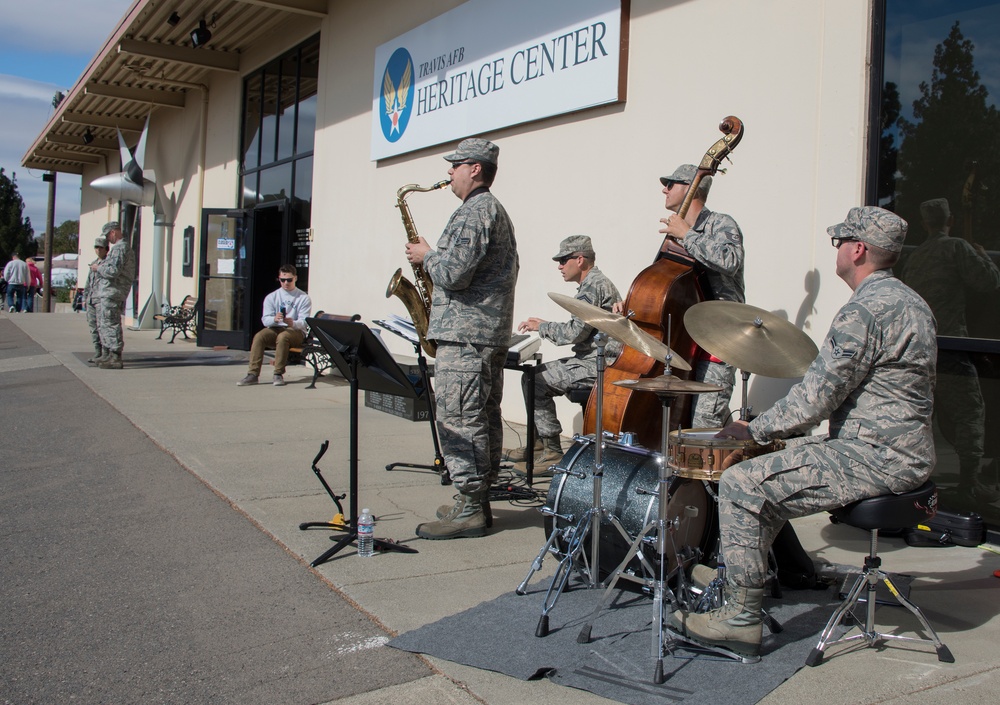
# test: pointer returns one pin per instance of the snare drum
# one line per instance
(697, 454)
(628, 469)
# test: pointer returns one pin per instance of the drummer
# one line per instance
(874, 380)
(576, 261)
(715, 242)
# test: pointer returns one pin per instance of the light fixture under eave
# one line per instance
(88, 137)
(200, 35)
(174, 19)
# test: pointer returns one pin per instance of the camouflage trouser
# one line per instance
(757, 496)
(109, 325)
(712, 410)
(553, 379)
(95, 335)
(959, 407)
(468, 385)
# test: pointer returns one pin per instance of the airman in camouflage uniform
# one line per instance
(576, 258)
(116, 274)
(473, 270)
(874, 380)
(941, 270)
(92, 297)
(715, 242)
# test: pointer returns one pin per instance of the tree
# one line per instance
(16, 234)
(66, 238)
(953, 128)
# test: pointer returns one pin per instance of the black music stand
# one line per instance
(366, 364)
(438, 465)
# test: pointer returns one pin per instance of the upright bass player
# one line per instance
(715, 242)
(473, 271)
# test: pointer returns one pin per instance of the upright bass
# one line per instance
(656, 302)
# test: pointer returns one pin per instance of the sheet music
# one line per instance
(401, 326)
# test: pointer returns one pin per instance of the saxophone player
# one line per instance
(473, 271)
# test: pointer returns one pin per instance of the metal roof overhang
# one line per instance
(148, 64)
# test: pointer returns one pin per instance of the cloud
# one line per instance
(61, 26)
(27, 108)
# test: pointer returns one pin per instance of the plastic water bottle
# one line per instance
(366, 534)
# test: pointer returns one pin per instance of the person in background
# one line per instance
(115, 273)
(34, 285)
(17, 277)
(284, 319)
(92, 298)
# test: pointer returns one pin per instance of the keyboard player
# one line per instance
(576, 262)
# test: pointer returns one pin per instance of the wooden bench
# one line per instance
(314, 354)
(180, 319)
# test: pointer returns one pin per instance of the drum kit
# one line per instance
(649, 515)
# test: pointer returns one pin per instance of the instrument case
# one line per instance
(948, 529)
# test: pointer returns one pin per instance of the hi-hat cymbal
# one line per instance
(621, 329)
(750, 338)
(668, 384)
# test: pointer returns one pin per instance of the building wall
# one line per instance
(794, 72)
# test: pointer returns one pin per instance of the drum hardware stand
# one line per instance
(438, 465)
(589, 522)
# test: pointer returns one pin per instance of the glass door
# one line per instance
(226, 249)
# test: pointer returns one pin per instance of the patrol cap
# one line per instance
(575, 244)
(684, 174)
(476, 149)
(935, 210)
(108, 227)
(872, 225)
(100, 241)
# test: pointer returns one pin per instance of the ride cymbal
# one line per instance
(750, 338)
(621, 329)
(668, 384)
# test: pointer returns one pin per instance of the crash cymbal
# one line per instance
(621, 329)
(750, 338)
(668, 384)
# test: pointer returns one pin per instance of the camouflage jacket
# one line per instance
(940, 270)
(474, 270)
(117, 272)
(874, 380)
(716, 243)
(92, 287)
(597, 290)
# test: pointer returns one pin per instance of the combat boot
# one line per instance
(449, 510)
(520, 454)
(736, 626)
(552, 451)
(702, 575)
(466, 521)
(98, 355)
(112, 362)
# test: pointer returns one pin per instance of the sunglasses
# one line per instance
(838, 241)
(671, 184)
(567, 258)
(285, 281)
(455, 165)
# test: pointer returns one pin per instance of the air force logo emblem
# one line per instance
(396, 102)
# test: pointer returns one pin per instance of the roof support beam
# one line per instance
(61, 168)
(123, 124)
(201, 58)
(66, 155)
(313, 8)
(72, 141)
(166, 99)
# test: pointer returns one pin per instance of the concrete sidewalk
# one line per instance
(254, 446)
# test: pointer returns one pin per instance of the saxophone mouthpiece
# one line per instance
(441, 184)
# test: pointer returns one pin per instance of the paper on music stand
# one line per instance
(401, 326)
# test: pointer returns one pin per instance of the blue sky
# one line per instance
(45, 46)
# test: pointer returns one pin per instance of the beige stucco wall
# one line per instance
(794, 72)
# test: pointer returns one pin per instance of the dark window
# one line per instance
(936, 135)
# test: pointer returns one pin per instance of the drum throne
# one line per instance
(886, 512)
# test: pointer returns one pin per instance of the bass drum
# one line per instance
(626, 470)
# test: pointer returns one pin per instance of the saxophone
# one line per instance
(416, 295)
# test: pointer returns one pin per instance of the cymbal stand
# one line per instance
(589, 523)
(745, 405)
